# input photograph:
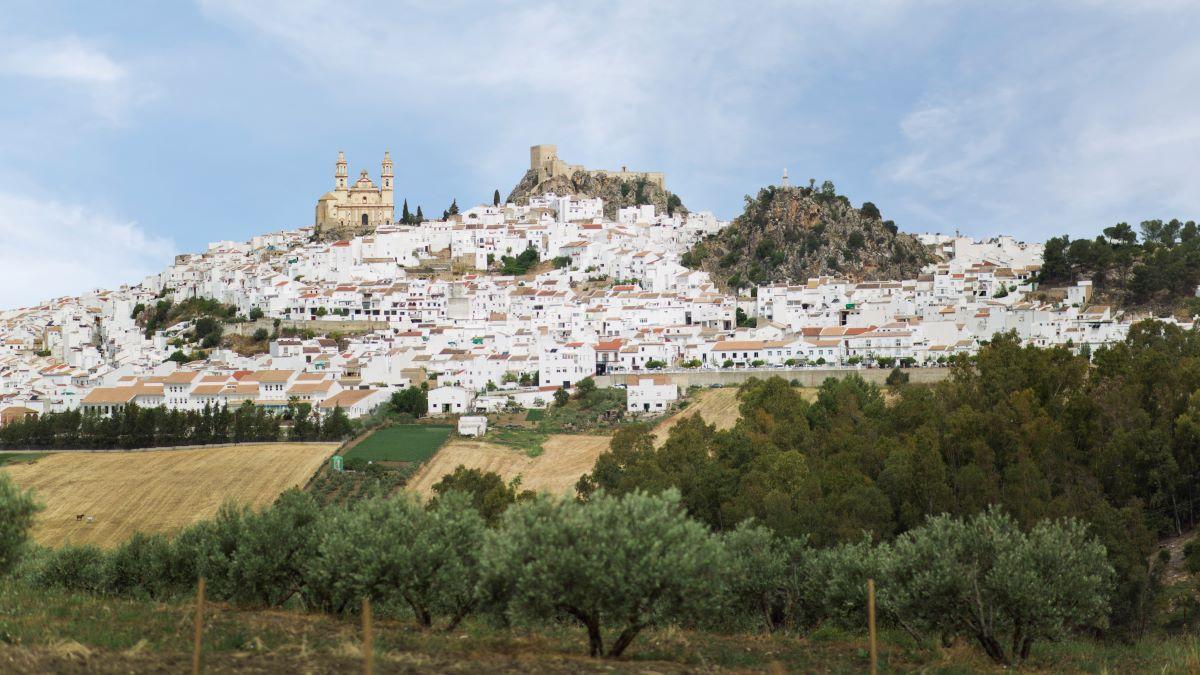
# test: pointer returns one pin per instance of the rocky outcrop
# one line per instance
(616, 192)
(789, 234)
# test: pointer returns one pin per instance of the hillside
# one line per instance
(792, 233)
(616, 192)
(1156, 271)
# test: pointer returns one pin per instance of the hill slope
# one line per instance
(616, 192)
(789, 234)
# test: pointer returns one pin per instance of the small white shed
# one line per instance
(470, 425)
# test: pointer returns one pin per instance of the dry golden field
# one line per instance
(564, 459)
(156, 491)
(718, 407)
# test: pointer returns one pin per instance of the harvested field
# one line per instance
(156, 491)
(718, 407)
(564, 459)
(715, 406)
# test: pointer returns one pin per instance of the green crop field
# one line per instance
(401, 443)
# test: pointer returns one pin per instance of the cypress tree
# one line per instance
(496, 198)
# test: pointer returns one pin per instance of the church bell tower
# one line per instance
(341, 173)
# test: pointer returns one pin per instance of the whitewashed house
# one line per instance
(653, 393)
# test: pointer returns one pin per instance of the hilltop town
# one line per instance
(501, 304)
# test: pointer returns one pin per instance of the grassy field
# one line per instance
(58, 631)
(20, 457)
(401, 443)
(158, 491)
(564, 458)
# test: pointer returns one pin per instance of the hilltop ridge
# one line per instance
(789, 234)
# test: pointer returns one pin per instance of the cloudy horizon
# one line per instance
(137, 131)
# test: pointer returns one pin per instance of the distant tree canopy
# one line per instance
(1163, 269)
(1040, 432)
(133, 426)
(519, 264)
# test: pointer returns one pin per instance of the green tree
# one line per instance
(561, 397)
(396, 551)
(17, 509)
(630, 562)
(496, 198)
(488, 492)
(1003, 587)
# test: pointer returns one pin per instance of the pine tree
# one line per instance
(496, 198)
(453, 210)
(420, 216)
(405, 216)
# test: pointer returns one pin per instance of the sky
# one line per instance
(133, 131)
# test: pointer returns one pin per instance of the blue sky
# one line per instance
(134, 130)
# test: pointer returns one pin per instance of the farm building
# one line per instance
(651, 394)
(356, 402)
(450, 401)
(472, 425)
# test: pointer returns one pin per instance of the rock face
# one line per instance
(789, 234)
(616, 192)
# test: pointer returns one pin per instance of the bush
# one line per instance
(896, 378)
(75, 568)
(143, 566)
(17, 509)
(632, 561)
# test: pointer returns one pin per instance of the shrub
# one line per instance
(896, 378)
(17, 509)
(75, 568)
(143, 566)
(631, 561)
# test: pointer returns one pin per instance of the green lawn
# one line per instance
(20, 457)
(401, 443)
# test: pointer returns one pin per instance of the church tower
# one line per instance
(341, 173)
(386, 175)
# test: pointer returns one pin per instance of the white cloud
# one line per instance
(66, 59)
(1069, 138)
(69, 68)
(51, 249)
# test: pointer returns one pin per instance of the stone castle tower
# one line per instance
(351, 210)
(544, 162)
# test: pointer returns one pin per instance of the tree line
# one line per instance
(1041, 433)
(1161, 267)
(613, 566)
(133, 426)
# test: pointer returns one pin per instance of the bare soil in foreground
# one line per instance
(157, 491)
(563, 460)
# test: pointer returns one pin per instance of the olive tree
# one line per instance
(273, 549)
(766, 575)
(17, 509)
(395, 550)
(1005, 588)
(625, 562)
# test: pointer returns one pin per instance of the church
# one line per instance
(350, 210)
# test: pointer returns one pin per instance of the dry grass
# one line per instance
(158, 491)
(718, 407)
(564, 459)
